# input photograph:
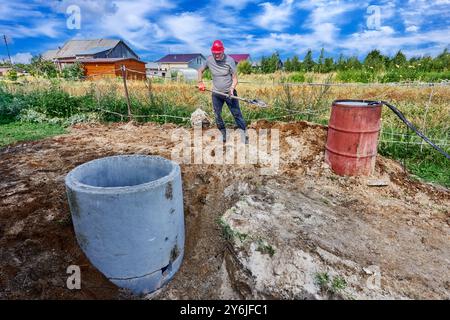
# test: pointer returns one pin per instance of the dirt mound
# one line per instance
(37, 242)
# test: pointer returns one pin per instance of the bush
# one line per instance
(297, 77)
(244, 67)
(33, 116)
(45, 68)
(352, 75)
(436, 76)
(73, 72)
(399, 75)
(207, 74)
(80, 118)
(12, 75)
(29, 115)
(60, 104)
(10, 105)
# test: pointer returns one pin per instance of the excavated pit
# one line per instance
(316, 223)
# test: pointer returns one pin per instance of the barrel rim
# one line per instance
(78, 186)
(370, 103)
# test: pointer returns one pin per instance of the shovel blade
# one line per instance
(259, 103)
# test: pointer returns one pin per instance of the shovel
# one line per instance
(255, 102)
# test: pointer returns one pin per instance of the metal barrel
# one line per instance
(352, 139)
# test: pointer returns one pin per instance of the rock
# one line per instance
(377, 182)
(200, 119)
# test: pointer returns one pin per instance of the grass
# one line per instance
(229, 234)
(425, 163)
(264, 247)
(15, 131)
(333, 285)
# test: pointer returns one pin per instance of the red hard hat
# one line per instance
(217, 47)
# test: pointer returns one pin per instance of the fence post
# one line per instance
(124, 77)
(425, 116)
(150, 89)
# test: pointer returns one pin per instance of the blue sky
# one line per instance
(154, 28)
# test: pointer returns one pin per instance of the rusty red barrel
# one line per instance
(353, 137)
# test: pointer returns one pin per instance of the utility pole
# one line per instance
(7, 49)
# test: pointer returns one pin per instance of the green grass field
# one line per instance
(14, 131)
(427, 164)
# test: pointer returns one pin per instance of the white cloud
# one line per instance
(11, 11)
(329, 11)
(325, 18)
(275, 17)
(152, 27)
(390, 42)
(47, 28)
(385, 39)
(194, 31)
(416, 13)
(22, 57)
(132, 21)
(90, 9)
(412, 28)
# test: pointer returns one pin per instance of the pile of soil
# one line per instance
(339, 225)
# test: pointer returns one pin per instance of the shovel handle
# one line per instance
(234, 97)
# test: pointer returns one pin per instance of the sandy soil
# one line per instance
(337, 225)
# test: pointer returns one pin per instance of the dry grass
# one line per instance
(412, 101)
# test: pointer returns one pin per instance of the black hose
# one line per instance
(412, 127)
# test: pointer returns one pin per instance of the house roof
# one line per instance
(100, 60)
(179, 58)
(73, 48)
(93, 50)
(50, 54)
(240, 57)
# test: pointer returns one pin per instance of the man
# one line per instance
(224, 75)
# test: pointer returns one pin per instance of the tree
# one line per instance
(271, 64)
(328, 65)
(353, 63)
(74, 71)
(288, 65)
(12, 75)
(244, 67)
(308, 62)
(399, 59)
(442, 61)
(340, 64)
(320, 62)
(375, 60)
(296, 64)
(44, 68)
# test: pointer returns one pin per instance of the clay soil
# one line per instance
(408, 218)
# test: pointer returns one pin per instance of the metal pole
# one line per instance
(7, 49)
(124, 77)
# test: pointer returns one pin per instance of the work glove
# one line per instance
(201, 86)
